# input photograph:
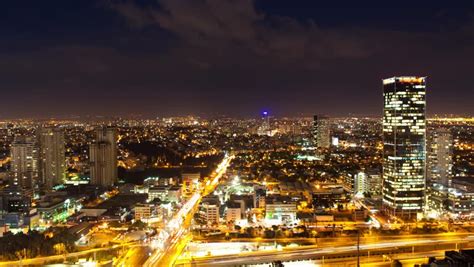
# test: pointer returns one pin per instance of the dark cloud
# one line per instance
(173, 57)
(223, 26)
(136, 16)
(232, 40)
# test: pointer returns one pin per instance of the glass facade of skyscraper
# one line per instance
(404, 130)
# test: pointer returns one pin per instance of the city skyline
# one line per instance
(159, 58)
(236, 133)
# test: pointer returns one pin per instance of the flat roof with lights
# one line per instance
(405, 79)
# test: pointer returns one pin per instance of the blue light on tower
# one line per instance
(265, 127)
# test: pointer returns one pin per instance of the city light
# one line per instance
(236, 133)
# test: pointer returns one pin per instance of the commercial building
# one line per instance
(56, 209)
(459, 203)
(52, 156)
(321, 131)
(165, 193)
(103, 157)
(455, 202)
(404, 129)
(143, 212)
(330, 196)
(359, 215)
(280, 209)
(14, 199)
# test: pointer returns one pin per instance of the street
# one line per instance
(172, 243)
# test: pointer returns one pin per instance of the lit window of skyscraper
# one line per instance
(404, 130)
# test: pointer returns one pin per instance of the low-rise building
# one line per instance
(143, 212)
(449, 201)
(190, 182)
(165, 193)
(359, 215)
(280, 208)
(329, 196)
(211, 213)
(56, 209)
(233, 211)
(233, 214)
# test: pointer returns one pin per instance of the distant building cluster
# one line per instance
(38, 166)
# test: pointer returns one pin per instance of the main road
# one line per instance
(40, 261)
(335, 251)
(174, 237)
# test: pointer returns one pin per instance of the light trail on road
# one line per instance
(308, 252)
(175, 227)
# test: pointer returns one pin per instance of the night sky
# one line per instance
(228, 57)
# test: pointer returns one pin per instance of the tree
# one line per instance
(396, 263)
(33, 244)
(269, 233)
(249, 231)
(138, 224)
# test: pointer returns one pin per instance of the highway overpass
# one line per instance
(343, 251)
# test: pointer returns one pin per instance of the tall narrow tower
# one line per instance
(321, 131)
(439, 156)
(103, 157)
(52, 156)
(24, 162)
(265, 128)
(404, 130)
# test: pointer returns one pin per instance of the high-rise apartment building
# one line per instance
(361, 183)
(103, 157)
(52, 156)
(321, 131)
(439, 156)
(404, 130)
(24, 162)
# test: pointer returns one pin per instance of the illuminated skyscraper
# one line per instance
(404, 129)
(265, 128)
(52, 156)
(24, 162)
(321, 131)
(439, 156)
(360, 183)
(103, 157)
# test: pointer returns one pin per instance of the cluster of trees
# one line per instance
(34, 244)
(138, 225)
(253, 232)
(429, 229)
(300, 231)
